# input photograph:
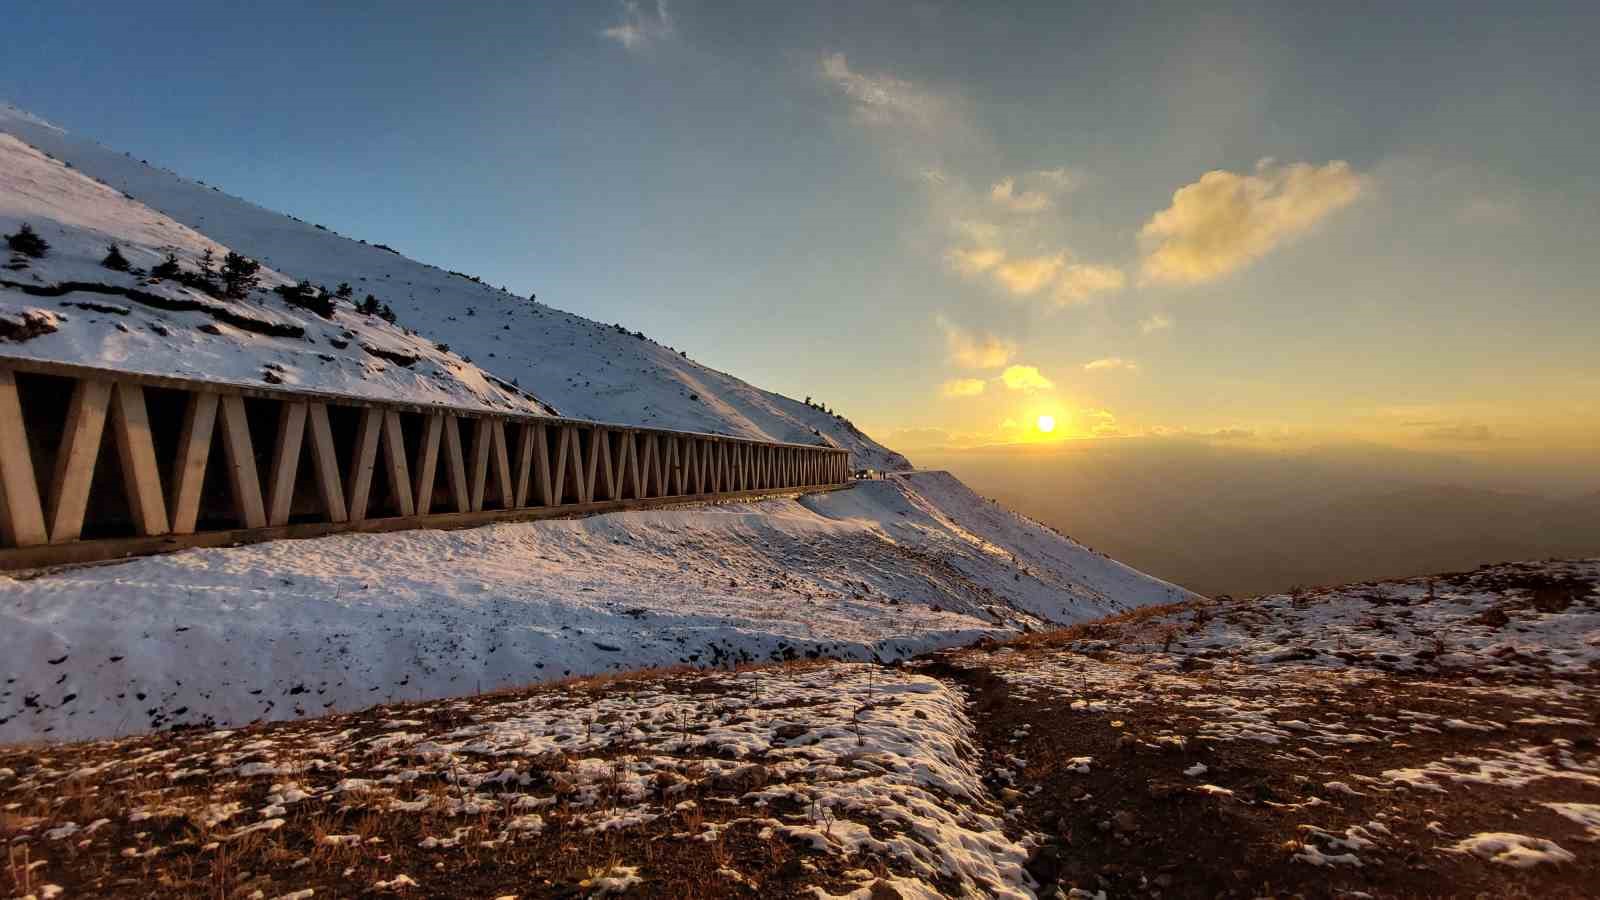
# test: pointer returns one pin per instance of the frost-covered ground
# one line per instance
(1421, 737)
(832, 778)
(583, 368)
(301, 628)
(1198, 749)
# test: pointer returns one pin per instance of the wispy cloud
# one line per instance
(1156, 322)
(1026, 379)
(1235, 433)
(1109, 363)
(1098, 422)
(1028, 275)
(1226, 220)
(884, 100)
(1082, 282)
(1006, 194)
(641, 26)
(998, 234)
(963, 387)
(974, 260)
(975, 349)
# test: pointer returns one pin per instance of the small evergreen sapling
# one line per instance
(206, 278)
(27, 242)
(305, 296)
(167, 268)
(239, 275)
(114, 260)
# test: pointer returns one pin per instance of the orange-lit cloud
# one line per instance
(963, 387)
(1097, 423)
(975, 349)
(1027, 276)
(974, 261)
(1111, 362)
(1080, 282)
(1225, 220)
(1005, 194)
(1026, 379)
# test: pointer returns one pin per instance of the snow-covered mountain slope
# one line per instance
(583, 368)
(295, 628)
(884, 569)
(128, 320)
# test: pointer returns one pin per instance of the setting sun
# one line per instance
(1047, 424)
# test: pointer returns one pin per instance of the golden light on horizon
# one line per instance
(1047, 424)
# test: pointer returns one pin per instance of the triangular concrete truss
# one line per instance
(296, 464)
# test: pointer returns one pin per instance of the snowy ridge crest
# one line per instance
(578, 367)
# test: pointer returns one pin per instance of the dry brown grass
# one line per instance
(1145, 624)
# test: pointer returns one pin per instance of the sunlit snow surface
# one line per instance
(299, 628)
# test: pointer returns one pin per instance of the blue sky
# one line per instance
(943, 219)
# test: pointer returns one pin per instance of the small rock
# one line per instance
(1044, 864)
(1160, 790)
(745, 778)
(1298, 653)
(883, 890)
(791, 731)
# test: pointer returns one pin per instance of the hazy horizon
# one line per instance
(1241, 520)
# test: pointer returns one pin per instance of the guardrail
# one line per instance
(331, 463)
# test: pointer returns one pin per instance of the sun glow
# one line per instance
(1047, 424)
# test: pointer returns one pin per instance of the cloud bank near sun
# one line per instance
(1013, 235)
(972, 349)
(1026, 379)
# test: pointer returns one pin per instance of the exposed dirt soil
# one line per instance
(1422, 738)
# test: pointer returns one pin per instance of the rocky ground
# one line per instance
(1428, 737)
(1418, 738)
